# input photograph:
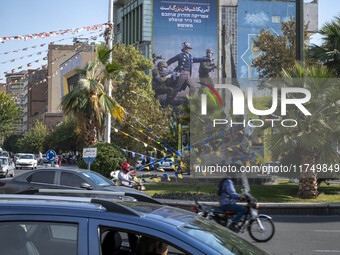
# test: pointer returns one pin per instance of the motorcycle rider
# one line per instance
(124, 178)
(228, 199)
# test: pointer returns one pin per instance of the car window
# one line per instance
(132, 243)
(38, 238)
(70, 179)
(3, 161)
(97, 179)
(26, 157)
(42, 177)
(216, 236)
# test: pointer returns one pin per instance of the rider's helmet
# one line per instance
(126, 167)
(162, 64)
(186, 45)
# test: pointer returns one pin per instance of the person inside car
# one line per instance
(150, 246)
(228, 199)
(124, 178)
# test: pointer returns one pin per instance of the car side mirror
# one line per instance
(85, 186)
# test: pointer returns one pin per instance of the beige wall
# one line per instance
(62, 53)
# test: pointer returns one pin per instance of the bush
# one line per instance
(109, 158)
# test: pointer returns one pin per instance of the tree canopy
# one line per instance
(9, 115)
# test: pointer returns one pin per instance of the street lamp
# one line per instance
(299, 31)
(107, 134)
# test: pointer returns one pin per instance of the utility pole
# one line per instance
(299, 31)
(107, 135)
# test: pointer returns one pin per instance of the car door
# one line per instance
(43, 234)
(176, 245)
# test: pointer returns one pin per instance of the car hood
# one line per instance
(4, 167)
(25, 160)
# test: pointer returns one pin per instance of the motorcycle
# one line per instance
(135, 185)
(260, 226)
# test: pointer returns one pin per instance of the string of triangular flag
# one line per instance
(53, 33)
(151, 132)
(51, 43)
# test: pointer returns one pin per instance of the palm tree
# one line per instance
(311, 140)
(88, 102)
(329, 52)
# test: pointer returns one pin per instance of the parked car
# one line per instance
(72, 225)
(6, 167)
(61, 178)
(26, 161)
(17, 155)
(166, 164)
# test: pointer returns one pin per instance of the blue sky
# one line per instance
(21, 17)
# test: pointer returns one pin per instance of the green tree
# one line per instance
(329, 52)
(278, 52)
(109, 158)
(133, 91)
(9, 115)
(88, 102)
(11, 143)
(34, 139)
(66, 137)
(311, 141)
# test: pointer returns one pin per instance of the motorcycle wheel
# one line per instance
(259, 234)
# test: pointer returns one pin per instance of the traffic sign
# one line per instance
(51, 155)
(89, 155)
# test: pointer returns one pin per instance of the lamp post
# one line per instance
(107, 134)
(299, 31)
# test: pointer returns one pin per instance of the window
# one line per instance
(113, 241)
(38, 238)
(42, 177)
(70, 179)
(97, 179)
(276, 19)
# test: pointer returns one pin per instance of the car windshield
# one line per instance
(26, 157)
(219, 239)
(97, 179)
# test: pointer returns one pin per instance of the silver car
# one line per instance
(7, 168)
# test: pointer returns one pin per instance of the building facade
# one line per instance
(241, 19)
(16, 83)
(63, 61)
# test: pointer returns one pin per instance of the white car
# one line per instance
(26, 160)
(6, 167)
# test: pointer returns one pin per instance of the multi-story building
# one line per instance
(3, 87)
(36, 97)
(16, 83)
(242, 20)
(63, 61)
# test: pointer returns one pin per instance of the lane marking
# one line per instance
(330, 231)
(327, 251)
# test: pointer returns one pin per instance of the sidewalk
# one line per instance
(273, 208)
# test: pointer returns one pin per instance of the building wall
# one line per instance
(57, 55)
(17, 90)
(37, 98)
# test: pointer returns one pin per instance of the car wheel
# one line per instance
(16, 167)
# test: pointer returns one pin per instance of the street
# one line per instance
(302, 235)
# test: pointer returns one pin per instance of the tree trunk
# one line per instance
(90, 134)
(308, 182)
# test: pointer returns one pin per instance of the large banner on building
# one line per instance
(185, 46)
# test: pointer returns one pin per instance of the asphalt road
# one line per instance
(303, 235)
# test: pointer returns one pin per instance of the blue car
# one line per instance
(54, 225)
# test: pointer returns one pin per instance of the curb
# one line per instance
(272, 208)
